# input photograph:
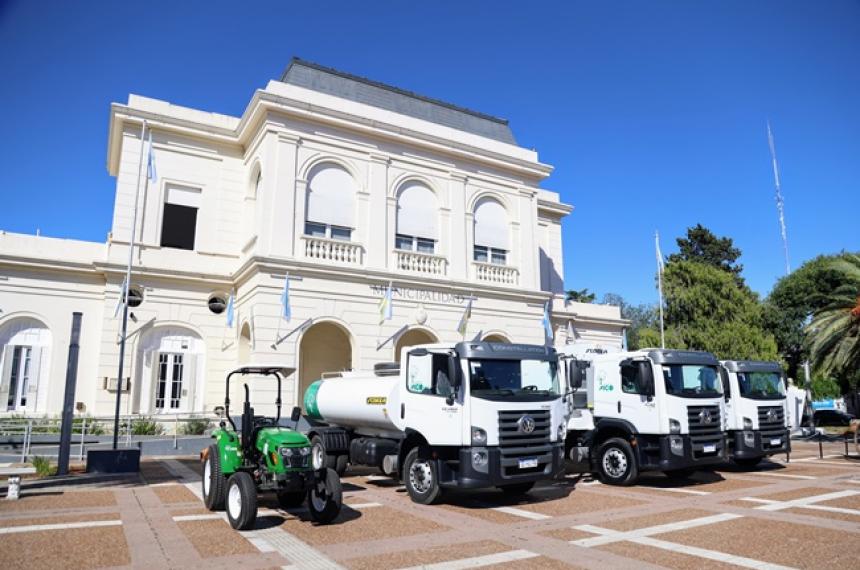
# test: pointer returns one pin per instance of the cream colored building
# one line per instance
(346, 185)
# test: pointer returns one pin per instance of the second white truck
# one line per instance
(649, 410)
(755, 409)
(464, 415)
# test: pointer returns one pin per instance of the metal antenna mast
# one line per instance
(780, 205)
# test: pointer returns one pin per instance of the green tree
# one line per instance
(824, 387)
(702, 246)
(642, 317)
(581, 296)
(707, 309)
(793, 301)
(834, 333)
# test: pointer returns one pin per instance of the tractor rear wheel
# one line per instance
(241, 501)
(325, 497)
(214, 482)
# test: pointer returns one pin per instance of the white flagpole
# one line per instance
(660, 287)
(119, 383)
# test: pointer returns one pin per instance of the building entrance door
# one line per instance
(170, 390)
(20, 377)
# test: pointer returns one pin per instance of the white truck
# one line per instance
(465, 415)
(756, 410)
(648, 410)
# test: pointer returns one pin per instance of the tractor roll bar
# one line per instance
(243, 372)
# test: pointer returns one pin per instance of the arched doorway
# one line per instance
(411, 338)
(245, 344)
(497, 337)
(171, 362)
(24, 362)
(324, 347)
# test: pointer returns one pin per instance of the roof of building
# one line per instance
(361, 90)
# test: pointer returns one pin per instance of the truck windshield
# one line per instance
(692, 380)
(761, 385)
(520, 380)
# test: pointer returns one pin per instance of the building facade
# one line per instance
(342, 185)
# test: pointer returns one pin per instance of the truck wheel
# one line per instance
(516, 489)
(680, 473)
(214, 482)
(341, 464)
(241, 501)
(616, 464)
(747, 462)
(318, 452)
(325, 497)
(291, 500)
(421, 478)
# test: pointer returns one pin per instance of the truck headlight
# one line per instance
(479, 436)
(749, 438)
(562, 431)
(676, 445)
(479, 458)
(747, 423)
(674, 426)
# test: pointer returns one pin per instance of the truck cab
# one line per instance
(648, 410)
(464, 415)
(756, 410)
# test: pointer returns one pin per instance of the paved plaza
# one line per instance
(803, 514)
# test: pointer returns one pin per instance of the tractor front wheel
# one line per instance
(214, 482)
(241, 501)
(325, 497)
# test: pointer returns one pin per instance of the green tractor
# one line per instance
(263, 457)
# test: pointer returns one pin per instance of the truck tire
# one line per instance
(747, 462)
(421, 478)
(680, 473)
(291, 499)
(325, 498)
(318, 447)
(516, 489)
(213, 481)
(616, 464)
(241, 501)
(341, 464)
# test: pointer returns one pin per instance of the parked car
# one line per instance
(831, 418)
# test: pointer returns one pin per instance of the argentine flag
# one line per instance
(230, 311)
(464, 320)
(150, 162)
(385, 306)
(547, 325)
(286, 311)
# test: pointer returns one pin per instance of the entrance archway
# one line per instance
(25, 343)
(497, 337)
(324, 347)
(171, 364)
(411, 338)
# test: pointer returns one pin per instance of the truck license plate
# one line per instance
(776, 441)
(528, 463)
(709, 448)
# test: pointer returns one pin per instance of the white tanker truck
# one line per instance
(465, 415)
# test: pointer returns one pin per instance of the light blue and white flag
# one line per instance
(660, 265)
(286, 310)
(571, 333)
(150, 162)
(464, 319)
(120, 300)
(547, 324)
(386, 308)
(230, 311)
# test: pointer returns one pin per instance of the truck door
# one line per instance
(426, 405)
(636, 402)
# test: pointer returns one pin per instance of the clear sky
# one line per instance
(652, 113)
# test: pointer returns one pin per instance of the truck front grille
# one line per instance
(515, 444)
(771, 423)
(706, 429)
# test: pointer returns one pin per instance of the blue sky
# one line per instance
(653, 113)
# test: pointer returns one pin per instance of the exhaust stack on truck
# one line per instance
(465, 415)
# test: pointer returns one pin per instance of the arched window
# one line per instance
(417, 219)
(491, 232)
(331, 203)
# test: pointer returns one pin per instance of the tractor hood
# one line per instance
(272, 438)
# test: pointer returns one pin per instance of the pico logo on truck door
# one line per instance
(602, 384)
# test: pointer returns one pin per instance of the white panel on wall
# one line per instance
(183, 196)
(417, 211)
(331, 197)
(491, 224)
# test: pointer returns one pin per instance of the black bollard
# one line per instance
(69, 399)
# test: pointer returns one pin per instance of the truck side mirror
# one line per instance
(646, 376)
(296, 414)
(454, 372)
(727, 388)
(576, 374)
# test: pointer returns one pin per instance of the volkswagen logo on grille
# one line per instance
(526, 424)
(772, 415)
(705, 417)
